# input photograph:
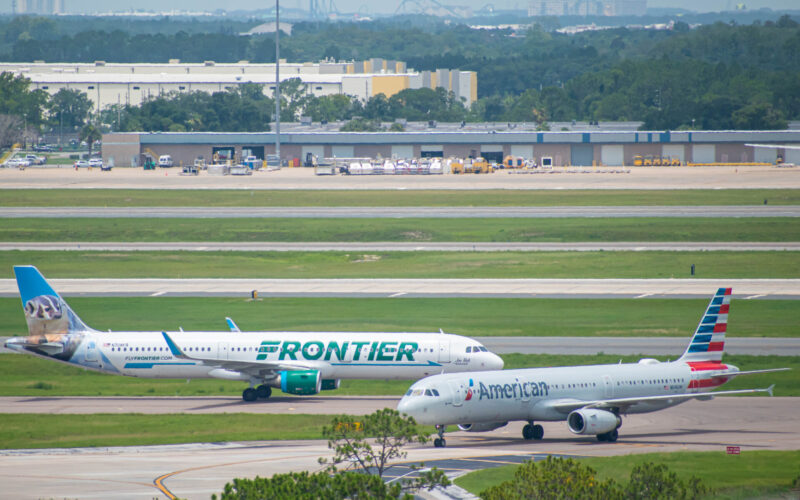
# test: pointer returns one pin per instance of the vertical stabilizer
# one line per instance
(708, 341)
(45, 311)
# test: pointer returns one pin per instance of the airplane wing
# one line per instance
(623, 403)
(259, 368)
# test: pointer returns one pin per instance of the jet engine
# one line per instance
(329, 384)
(482, 427)
(301, 382)
(591, 421)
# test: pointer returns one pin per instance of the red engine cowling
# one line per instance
(591, 421)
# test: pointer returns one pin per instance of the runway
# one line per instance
(199, 212)
(390, 246)
(199, 470)
(395, 288)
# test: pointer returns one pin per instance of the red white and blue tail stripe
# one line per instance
(708, 341)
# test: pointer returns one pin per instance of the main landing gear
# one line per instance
(608, 436)
(440, 441)
(531, 431)
(261, 392)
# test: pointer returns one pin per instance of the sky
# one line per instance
(383, 6)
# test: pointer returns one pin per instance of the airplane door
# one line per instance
(608, 387)
(444, 350)
(91, 351)
(457, 392)
(222, 350)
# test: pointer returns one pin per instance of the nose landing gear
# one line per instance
(440, 441)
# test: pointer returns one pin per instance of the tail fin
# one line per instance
(708, 341)
(45, 311)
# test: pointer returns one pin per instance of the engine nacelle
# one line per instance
(303, 383)
(482, 427)
(329, 384)
(592, 421)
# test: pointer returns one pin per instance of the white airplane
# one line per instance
(591, 399)
(297, 362)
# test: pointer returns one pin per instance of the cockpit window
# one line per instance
(417, 392)
(428, 392)
(409, 392)
(469, 349)
(483, 349)
(435, 392)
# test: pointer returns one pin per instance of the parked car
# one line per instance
(165, 161)
(42, 148)
(96, 162)
(17, 163)
(36, 160)
(80, 164)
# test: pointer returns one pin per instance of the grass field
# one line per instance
(507, 265)
(471, 317)
(753, 474)
(390, 198)
(32, 376)
(67, 431)
(778, 229)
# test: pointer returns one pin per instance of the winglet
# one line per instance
(232, 325)
(769, 389)
(173, 347)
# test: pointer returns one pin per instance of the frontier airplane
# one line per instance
(297, 362)
(591, 399)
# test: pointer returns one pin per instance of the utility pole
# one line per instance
(277, 93)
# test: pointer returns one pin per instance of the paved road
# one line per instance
(198, 470)
(652, 346)
(573, 288)
(401, 212)
(390, 246)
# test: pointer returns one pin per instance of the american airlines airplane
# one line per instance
(297, 362)
(591, 399)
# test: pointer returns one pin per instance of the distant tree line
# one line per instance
(719, 76)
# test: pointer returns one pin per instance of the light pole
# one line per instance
(277, 93)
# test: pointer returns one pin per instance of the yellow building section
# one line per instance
(473, 87)
(388, 85)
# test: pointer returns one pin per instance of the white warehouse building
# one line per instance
(118, 83)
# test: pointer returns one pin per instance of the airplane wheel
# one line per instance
(527, 431)
(602, 437)
(439, 443)
(538, 432)
(612, 436)
(249, 394)
(264, 391)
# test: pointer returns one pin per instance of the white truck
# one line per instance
(35, 160)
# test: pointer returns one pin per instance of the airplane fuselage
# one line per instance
(336, 355)
(527, 394)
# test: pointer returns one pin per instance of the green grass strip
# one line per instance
(470, 317)
(24, 375)
(69, 431)
(775, 229)
(508, 265)
(389, 198)
(753, 474)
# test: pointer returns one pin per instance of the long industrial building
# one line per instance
(116, 83)
(584, 148)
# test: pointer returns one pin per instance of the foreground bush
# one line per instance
(563, 479)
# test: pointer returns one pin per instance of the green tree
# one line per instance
(68, 108)
(305, 486)
(90, 134)
(371, 442)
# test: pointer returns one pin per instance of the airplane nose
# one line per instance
(404, 406)
(496, 362)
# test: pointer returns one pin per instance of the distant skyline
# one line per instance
(367, 7)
